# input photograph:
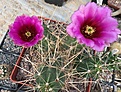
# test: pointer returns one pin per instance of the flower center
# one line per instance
(28, 34)
(89, 30)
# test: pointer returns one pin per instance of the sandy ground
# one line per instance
(9, 9)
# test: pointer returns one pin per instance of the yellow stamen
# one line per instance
(28, 34)
(89, 30)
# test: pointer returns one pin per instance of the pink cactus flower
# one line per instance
(26, 31)
(93, 26)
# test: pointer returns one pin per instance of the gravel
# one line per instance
(8, 55)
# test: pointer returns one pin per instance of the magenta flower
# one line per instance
(26, 31)
(93, 26)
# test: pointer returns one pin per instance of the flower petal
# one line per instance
(108, 37)
(108, 24)
(99, 46)
(99, 16)
(90, 11)
(87, 42)
(77, 18)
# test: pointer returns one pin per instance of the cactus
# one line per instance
(62, 63)
(49, 79)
